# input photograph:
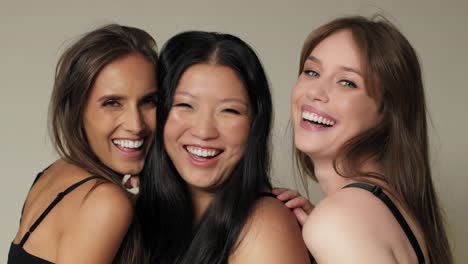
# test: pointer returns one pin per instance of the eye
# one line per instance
(347, 83)
(311, 73)
(111, 103)
(150, 101)
(183, 105)
(231, 111)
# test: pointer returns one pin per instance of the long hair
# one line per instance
(75, 75)
(166, 204)
(399, 143)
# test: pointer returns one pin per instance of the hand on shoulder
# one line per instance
(95, 234)
(348, 227)
(271, 235)
(300, 206)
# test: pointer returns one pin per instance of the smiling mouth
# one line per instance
(318, 120)
(203, 153)
(129, 145)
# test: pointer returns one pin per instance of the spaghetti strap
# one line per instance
(52, 205)
(378, 192)
(34, 182)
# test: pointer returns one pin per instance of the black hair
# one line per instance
(165, 205)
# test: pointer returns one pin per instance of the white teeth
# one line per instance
(316, 118)
(132, 144)
(202, 152)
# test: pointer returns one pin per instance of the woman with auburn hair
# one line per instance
(360, 130)
(206, 191)
(102, 121)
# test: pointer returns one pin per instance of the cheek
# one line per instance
(296, 93)
(173, 128)
(237, 133)
(364, 113)
(150, 120)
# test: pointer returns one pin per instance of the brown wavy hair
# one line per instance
(76, 72)
(399, 143)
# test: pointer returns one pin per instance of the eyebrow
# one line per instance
(110, 97)
(120, 97)
(235, 100)
(345, 68)
(227, 100)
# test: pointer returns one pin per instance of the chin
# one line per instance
(132, 170)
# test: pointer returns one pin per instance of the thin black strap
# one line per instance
(40, 174)
(34, 182)
(51, 206)
(378, 192)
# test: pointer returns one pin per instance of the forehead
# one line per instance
(216, 81)
(132, 73)
(339, 48)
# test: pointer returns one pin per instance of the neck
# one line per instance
(330, 181)
(201, 200)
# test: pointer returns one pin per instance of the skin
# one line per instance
(350, 221)
(88, 225)
(211, 111)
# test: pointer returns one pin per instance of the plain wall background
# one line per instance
(34, 33)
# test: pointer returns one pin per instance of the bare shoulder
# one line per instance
(107, 198)
(271, 235)
(99, 226)
(352, 222)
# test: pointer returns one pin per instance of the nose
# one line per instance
(133, 120)
(204, 126)
(319, 91)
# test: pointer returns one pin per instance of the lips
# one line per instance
(203, 152)
(129, 147)
(315, 120)
(128, 144)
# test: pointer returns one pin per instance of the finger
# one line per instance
(300, 202)
(301, 216)
(277, 191)
(288, 195)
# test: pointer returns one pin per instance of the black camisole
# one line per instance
(17, 254)
(378, 192)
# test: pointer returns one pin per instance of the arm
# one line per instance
(300, 206)
(346, 228)
(271, 236)
(95, 234)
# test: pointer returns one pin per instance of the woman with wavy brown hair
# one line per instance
(360, 130)
(102, 121)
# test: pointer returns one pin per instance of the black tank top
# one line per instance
(378, 192)
(17, 254)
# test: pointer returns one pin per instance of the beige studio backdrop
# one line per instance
(34, 33)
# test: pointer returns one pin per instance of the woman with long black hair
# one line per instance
(206, 189)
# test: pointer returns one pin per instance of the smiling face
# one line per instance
(208, 124)
(330, 104)
(119, 118)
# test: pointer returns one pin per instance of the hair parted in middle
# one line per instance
(75, 75)
(166, 204)
(76, 72)
(399, 142)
